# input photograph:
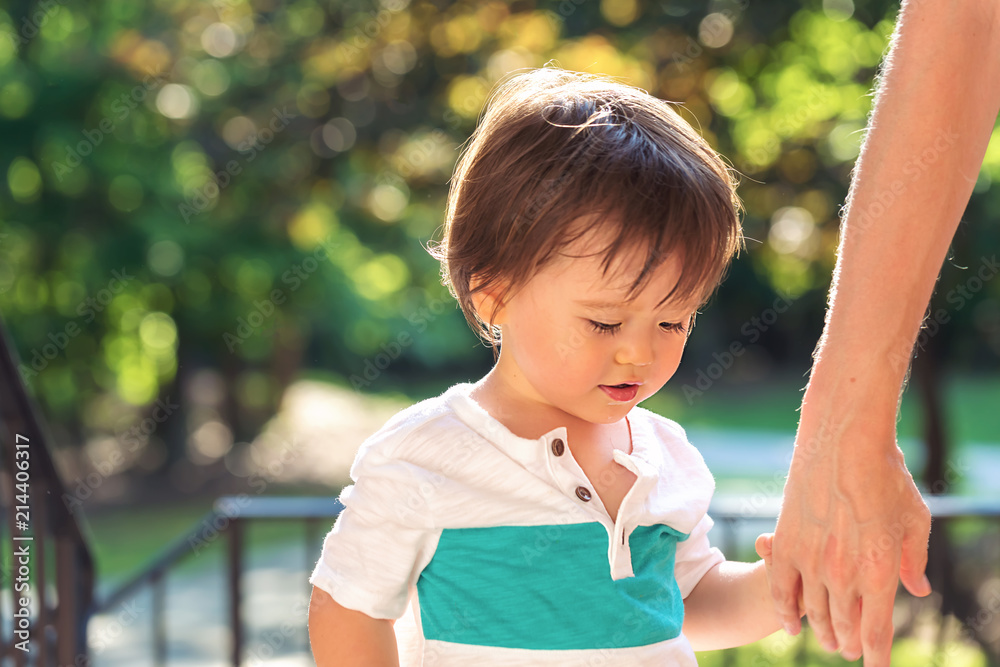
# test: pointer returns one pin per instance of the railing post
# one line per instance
(41, 528)
(67, 578)
(235, 570)
(159, 625)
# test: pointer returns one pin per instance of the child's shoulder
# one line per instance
(431, 421)
(668, 434)
(661, 425)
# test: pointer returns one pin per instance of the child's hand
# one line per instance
(763, 547)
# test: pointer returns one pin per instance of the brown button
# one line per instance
(557, 446)
(583, 493)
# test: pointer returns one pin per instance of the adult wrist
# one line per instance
(844, 395)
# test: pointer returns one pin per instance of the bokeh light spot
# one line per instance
(176, 101)
(715, 30)
(23, 179)
(219, 40)
(165, 258)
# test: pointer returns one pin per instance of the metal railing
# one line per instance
(230, 514)
(42, 538)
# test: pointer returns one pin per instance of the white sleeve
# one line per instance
(695, 556)
(380, 542)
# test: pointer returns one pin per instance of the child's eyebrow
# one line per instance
(607, 305)
(600, 305)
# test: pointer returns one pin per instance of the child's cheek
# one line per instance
(571, 346)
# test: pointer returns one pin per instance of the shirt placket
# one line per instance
(620, 553)
(573, 482)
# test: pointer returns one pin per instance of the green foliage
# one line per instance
(248, 185)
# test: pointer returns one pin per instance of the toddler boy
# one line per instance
(539, 516)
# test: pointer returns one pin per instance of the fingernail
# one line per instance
(790, 628)
(927, 585)
(850, 656)
(830, 645)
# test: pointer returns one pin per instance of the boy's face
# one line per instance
(562, 351)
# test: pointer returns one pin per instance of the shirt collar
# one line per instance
(661, 457)
(526, 449)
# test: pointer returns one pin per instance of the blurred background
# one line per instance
(211, 267)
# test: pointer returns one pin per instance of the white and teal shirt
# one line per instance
(494, 550)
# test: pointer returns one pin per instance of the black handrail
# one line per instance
(229, 513)
(36, 522)
(227, 516)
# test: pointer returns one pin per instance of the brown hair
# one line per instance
(553, 146)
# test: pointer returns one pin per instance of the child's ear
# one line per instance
(487, 299)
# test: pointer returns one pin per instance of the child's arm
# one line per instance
(342, 637)
(732, 604)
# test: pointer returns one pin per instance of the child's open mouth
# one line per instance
(621, 392)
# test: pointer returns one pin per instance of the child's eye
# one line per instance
(674, 327)
(600, 327)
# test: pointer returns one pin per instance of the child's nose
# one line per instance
(635, 350)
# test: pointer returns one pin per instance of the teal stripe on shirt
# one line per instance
(549, 588)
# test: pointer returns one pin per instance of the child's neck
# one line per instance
(529, 418)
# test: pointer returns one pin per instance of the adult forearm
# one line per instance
(933, 115)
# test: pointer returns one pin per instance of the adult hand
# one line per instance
(764, 545)
(851, 521)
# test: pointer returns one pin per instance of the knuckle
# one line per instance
(818, 618)
(843, 628)
(877, 571)
(839, 574)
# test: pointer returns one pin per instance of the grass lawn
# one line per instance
(125, 540)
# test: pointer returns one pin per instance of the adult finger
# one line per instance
(876, 627)
(818, 610)
(786, 583)
(845, 617)
(913, 560)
